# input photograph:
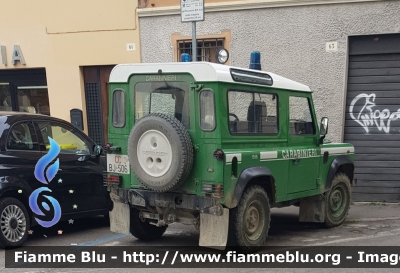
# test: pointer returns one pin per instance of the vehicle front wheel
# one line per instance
(338, 201)
(249, 221)
(143, 230)
(14, 223)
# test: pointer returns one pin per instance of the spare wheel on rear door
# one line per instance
(160, 152)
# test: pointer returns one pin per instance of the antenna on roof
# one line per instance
(255, 58)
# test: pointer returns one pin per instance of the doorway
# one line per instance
(96, 92)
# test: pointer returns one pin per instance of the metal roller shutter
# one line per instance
(372, 118)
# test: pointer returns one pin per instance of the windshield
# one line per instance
(171, 98)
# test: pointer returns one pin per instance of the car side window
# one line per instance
(68, 141)
(252, 113)
(118, 108)
(22, 137)
(207, 110)
(301, 122)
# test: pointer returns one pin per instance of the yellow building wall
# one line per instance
(62, 36)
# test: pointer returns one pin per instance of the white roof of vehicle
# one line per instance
(201, 71)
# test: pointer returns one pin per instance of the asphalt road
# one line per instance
(365, 226)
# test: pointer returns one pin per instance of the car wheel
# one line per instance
(14, 223)
(250, 220)
(338, 201)
(142, 229)
(160, 152)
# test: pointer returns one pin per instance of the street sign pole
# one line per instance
(192, 11)
(194, 42)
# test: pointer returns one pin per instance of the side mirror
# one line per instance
(323, 129)
(97, 150)
(324, 126)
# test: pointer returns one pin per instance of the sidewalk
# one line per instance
(359, 212)
(373, 212)
(368, 224)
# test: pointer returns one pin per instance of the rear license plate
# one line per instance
(118, 164)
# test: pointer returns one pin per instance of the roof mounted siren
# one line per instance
(255, 58)
(185, 58)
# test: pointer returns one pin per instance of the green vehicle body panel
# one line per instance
(291, 178)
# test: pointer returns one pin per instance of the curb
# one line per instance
(376, 203)
(372, 219)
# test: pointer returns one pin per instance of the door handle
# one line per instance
(296, 160)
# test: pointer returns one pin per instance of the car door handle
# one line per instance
(296, 160)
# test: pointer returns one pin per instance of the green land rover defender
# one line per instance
(217, 147)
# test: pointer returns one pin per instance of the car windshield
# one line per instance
(171, 98)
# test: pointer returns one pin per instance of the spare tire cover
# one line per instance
(160, 152)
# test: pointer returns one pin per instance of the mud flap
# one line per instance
(312, 209)
(214, 229)
(119, 216)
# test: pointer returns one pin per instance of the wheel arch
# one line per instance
(22, 197)
(261, 176)
(340, 164)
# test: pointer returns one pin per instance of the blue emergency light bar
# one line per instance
(255, 60)
(185, 57)
(262, 78)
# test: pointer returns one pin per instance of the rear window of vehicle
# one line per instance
(171, 98)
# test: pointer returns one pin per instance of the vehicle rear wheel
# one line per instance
(338, 201)
(14, 223)
(250, 220)
(143, 230)
(160, 152)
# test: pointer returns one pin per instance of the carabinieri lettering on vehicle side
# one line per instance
(304, 153)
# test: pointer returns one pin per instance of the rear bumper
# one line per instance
(146, 198)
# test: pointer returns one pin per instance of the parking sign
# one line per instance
(192, 10)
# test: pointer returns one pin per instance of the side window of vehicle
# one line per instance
(68, 141)
(301, 122)
(118, 108)
(252, 113)
(207, 110)
(22, 137)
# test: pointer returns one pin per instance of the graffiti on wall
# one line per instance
(369, 116)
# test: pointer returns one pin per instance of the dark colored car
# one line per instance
(77, 185)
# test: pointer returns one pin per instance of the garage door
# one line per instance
(372, 121)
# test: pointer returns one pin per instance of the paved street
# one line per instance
(366, 225)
